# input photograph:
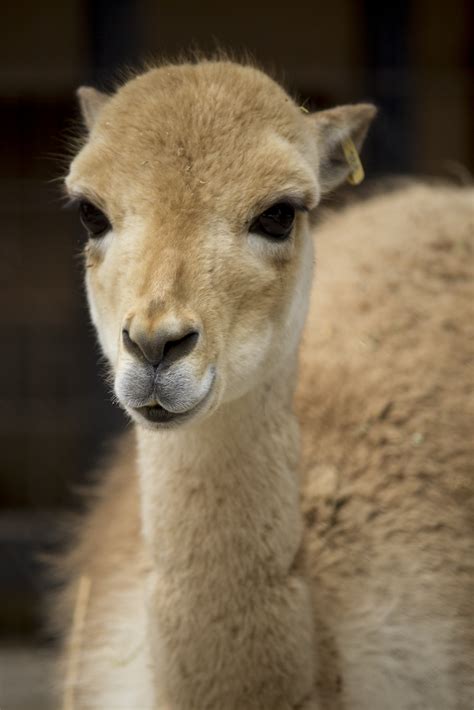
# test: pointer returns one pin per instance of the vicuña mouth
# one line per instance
(156, 414)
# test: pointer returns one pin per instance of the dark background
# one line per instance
(414, 59)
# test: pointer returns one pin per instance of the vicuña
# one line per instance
(284, 527)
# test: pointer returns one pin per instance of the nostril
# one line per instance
(130, 345)
(174, 350)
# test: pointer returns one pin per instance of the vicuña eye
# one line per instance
(276, 222)
(93, 219)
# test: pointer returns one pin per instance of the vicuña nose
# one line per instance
(163, 348)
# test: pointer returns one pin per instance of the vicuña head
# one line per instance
(195, 186)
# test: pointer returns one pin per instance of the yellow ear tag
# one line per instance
(356, 174)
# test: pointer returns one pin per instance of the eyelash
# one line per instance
(277, 221)
(94, 220)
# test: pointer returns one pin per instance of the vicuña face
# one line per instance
(193, 188)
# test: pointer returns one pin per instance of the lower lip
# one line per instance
(157, 414)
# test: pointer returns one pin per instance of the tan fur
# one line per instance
(201, 597)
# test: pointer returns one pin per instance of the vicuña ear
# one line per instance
(91, 102)
(340, 133)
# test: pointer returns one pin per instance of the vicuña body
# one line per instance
(213, 585)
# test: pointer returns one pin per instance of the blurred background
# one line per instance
(414, 59)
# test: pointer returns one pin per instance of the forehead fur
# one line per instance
(209, 124)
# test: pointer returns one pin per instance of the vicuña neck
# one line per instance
(228, 482)
(229, 607)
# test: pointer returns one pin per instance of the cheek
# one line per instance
(265, 312)
(103, 316)
(245, 359)
(248, 340)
